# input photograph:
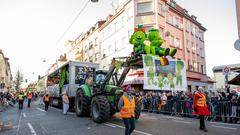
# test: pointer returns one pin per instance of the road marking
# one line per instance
(170, 117)
(228, 124)
(180, 121)
(224, 127)
(19, 123)
(44, 129)
(31, 128)
(41, 109)
(115, 125)
(24, 115)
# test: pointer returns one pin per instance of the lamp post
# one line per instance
(237, 42)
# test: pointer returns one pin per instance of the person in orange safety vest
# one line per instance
(46, 100)
(65, 103)
(200, 107)
(126, 106)
(29, 96)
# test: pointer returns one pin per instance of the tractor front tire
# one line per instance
(100, 109)
(82, 103)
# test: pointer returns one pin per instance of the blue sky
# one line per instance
(29, 29)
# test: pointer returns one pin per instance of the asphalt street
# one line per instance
(35, 121)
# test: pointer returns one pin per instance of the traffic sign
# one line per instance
(237, 45)
(226, 70)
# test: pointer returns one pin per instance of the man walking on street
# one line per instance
(46, 100)
(20, 100)
(29, 99)
(126, 106)
(65, 103)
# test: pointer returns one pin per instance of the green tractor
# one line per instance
(100, 94)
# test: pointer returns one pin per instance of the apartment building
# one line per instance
(5, 72)
(179, 30)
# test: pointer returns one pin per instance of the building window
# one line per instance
(170, 19)
(130, 12)
(195, 67)
(96, 41)
(189, 65)
(90, 59)
(124, 43)
(201, 52)
(161, 9)
(96, 56)
(193, 48)
(197, 51)
(147, 28)
(202, 69)
(177, 43)
(116, 46)
(104, 53)
(188, 45)
(145, 7)
(90, 45)
(161, 33)
(198, 67)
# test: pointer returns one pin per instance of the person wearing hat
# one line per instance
(126, 105)
(65, 103)
(200, 107)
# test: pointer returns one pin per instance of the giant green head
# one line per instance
(139, 35)
(180, 65)
(153, 34)
(170, 76)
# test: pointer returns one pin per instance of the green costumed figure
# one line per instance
(179, 67)
(170, 80)
(148, 60)
(137, 39)
(156, 42)
(160, 80)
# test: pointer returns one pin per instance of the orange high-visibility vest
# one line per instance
(127, 110)
(30, 96)
(46, 98)
(66, 99)
(201, 102)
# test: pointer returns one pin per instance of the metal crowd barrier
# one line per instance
(220, 111)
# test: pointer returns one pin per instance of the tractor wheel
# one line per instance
(100, 109)
(82, 104)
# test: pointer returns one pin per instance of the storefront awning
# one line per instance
(235, 80)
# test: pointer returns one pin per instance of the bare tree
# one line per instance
(18, 79)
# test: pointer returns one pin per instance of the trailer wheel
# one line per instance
(100, 109)
(82, 103)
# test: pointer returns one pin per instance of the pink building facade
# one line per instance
(179, 30)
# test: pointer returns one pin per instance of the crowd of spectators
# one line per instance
(224, 106)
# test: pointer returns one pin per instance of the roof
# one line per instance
(235, 80)
(234, 67)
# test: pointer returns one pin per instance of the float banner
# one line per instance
(158, 76)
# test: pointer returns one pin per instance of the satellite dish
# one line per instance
(237, 45)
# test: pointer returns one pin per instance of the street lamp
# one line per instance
(94, 1)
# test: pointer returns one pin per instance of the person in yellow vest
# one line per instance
(20, 100)
(126, 105)
(29, 96)
(200, 107)
(46, 99)
(65, 103)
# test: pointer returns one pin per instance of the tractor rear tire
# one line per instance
(82, 104)
(100, 109)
